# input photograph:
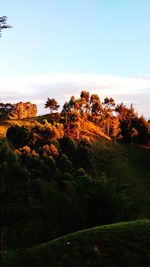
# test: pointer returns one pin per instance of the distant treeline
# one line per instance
(116, 120)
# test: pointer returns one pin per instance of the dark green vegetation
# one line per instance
(73, 170)
(45, 197)
(121, 244)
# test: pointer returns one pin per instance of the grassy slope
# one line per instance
(130, 165)
(117, 245)
(87, 129)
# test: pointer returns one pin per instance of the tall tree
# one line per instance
(72, 102)
(85, 95)
(85, 100)
(109, 105)
(121, 111)
(143, 128)
(6, 110)
(51, 104)
(96, 106)
(115, 128)
(3, 24)
(66, 109)
(127, 118)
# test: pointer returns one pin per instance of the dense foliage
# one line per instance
(116, 120)
(17, 111)
(63, 196)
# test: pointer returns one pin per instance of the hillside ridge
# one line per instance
(120, 244)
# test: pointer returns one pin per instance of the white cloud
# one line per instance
(37, 88)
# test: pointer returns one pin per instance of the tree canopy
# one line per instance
(3, 24)
(51, 104)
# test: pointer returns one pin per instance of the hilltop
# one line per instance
(85, 117)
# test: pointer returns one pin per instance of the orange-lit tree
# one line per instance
(109, 107)
(52, 104)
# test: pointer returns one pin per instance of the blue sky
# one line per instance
(60, 47)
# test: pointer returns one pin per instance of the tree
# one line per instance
(109, 105)
(133, 133)
(14, 193)
(85, 95)
(24, 110)
(127, 118)
(51, 104)
(3, 24)
(18, 136)
(115, 128)
(85, 101)
(72, 102)
(6, 110)
(66, 109)
(143, 128)
(94, 98)
(121, 111)
(96, 106)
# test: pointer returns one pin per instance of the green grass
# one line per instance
(124, 244)
(129, 164)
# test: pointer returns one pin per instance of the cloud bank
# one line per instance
(37, 88)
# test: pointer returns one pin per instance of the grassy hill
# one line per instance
(130, 165)
(117, 245)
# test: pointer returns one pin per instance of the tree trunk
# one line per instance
(108, 128)
(2, 239)
(66, 118)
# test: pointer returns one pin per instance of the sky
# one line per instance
(57, 48)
